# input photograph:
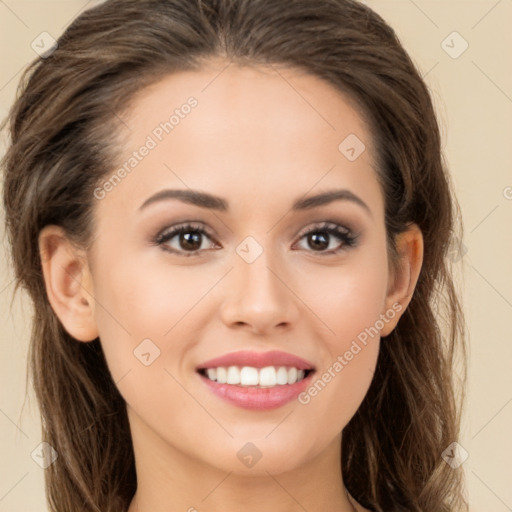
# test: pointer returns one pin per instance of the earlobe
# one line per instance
(404, 276)
(68, 283)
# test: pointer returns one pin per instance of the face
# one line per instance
(254, 270)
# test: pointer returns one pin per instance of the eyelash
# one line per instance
(347, 238)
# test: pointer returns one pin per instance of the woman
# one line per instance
(233, 219)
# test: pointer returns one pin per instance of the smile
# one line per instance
(256, 380)
(269, 376)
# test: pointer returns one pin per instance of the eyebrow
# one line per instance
(211, 202)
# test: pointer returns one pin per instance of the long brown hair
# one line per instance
(63, 129)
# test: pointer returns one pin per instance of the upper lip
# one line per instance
(257, 360)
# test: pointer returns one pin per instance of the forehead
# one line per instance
(269, 129)
(251, 99)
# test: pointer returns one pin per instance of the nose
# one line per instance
(258, 298)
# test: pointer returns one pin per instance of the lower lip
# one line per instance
(255, 397)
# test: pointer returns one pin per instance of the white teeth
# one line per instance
(222, 375)
(249, 376)
(269, 376)
(233, 375)
(282, 375)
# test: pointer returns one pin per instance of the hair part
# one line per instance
(65, 127)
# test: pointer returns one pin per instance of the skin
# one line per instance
(260, 138)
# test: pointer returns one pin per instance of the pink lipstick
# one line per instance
(257, 380)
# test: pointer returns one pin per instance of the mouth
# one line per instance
(249, 376)
(253, 380)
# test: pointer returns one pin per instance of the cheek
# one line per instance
(348, 299)
(350, 303)
(140, 300)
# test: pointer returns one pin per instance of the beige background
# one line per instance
(473, 93)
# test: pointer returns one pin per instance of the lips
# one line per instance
(261, 387)
(257, 360)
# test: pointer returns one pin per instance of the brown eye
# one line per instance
(184, 239)
(320, 238)
(190, 241)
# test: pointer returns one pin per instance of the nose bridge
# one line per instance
(258, 276)
(257, 295)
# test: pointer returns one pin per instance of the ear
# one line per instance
(68, 283)
(403, 275)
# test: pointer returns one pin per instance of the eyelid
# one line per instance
(323, 225)
(186, 225)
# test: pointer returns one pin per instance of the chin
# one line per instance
(260, 457)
